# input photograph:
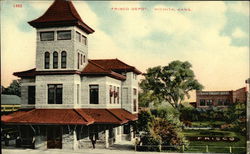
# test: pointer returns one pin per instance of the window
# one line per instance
(202, 102)
(55, 93)
(55, 59)
(110, 94)
(46, 60)
(84, 40)
(78, 60)
(135, 105)
(81, 59)
(46, 36)
(78, 93)
(94, 94)
(64, 35)
(226, 102)
(84, 58)
(117, 95)
(31, 94)
(135, 91)
(63, 59)
(220, 102)
(209, 102)
(78, 36)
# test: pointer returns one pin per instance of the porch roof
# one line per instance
(70, 116)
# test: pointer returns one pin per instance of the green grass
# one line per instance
(207, 123)
(200, 146)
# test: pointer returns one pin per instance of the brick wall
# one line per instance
(240, 95)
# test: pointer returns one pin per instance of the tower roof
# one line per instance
(61, 13)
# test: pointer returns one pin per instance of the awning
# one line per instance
(70, 117)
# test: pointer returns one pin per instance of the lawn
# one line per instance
(210, 146)
(207, 123)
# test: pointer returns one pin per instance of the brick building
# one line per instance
(70, 101)
(208, 99)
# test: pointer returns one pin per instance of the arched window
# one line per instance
(63, 59)
(84, 58)
(55, 59)
(46, 60)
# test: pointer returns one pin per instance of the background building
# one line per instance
(208, 99)
(9, 103)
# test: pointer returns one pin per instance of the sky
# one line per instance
(212, 35)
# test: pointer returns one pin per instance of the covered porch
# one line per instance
(73, 129)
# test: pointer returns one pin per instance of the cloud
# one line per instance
(87, 15)
(241, 7)
(238, 33)
(193, 36)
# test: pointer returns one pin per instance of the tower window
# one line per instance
(84, 40)
(81, 59)
(78, 36)
(46, 60)
(55, 59)
(47, 36)
(64, 35)
(84, 58)
(78, 60)
(55, 93)
(93, 94)
(63, 59)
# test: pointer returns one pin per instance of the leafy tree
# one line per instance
(171, 83)
(167, 132)
(147, 97)
(13, 89)
(161, 128)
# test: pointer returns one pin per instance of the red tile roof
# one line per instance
(33, 72)
(104, 67)
(124, 114)
(61, 13)
(51, 116)
(96, 69)
(115, 65)
(103, 116)
(71, 116)
(10, 116)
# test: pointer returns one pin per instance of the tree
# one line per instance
(171, 83)
(160, 127)
(13, 89)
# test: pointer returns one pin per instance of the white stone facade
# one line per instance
(71, 96)
(69, 84)
(72, 48)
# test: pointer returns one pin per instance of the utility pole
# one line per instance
(248, 116)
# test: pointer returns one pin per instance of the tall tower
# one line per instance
(61, 53)
(62, 38)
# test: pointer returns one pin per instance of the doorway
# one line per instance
(54, 137)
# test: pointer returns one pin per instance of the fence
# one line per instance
(193, 149)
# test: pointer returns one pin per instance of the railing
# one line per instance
(193, 149)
